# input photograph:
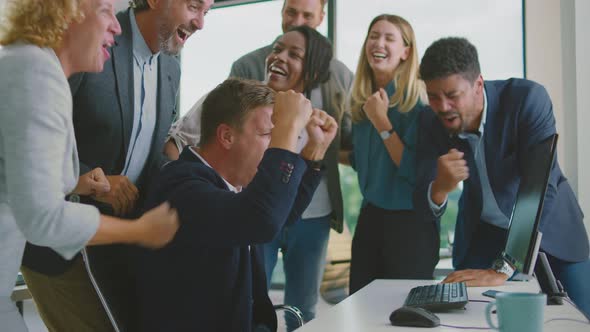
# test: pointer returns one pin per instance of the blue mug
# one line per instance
(518, 312)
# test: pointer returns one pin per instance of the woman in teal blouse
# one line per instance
(389, 241)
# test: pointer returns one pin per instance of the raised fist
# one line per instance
(291, 111)
(451, 169)
(321, 130)
(376, 108)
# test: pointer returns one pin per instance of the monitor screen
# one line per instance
(521, 245)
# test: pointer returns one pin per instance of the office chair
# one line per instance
(290, 310)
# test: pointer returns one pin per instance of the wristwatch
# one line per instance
(74, 198)
(500, 265)
(386, 134)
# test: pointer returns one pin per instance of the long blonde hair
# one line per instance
(409, 88)
(39, 22)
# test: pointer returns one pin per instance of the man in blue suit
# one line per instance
(478, 133)
(233, 193)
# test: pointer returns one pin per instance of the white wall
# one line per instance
(121, 4)
(557, 56)
(582, 69)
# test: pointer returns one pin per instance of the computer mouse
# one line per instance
(413, 316)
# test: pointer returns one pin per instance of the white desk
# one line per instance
(368, 310)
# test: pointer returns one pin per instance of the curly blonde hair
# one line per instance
(39, 22)
(409, 89)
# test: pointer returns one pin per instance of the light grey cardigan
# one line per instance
(38, 162)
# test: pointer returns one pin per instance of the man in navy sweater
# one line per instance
(232, 193)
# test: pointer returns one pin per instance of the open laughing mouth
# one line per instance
(183, 34)
(105, 49)
(449, 119)
(379, 55)
(277, 71)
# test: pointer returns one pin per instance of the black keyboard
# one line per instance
(439, 297)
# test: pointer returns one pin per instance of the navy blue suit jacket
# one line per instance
(519, 115)
(211, 276)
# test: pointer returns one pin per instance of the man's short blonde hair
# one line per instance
(230, 102)
(39, 22)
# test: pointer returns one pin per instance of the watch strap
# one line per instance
(385, 134)
(502, 266)
(315, 164)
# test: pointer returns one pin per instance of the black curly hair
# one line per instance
(449, 56)
(139, 5)
(318, 54)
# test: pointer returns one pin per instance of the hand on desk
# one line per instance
(477, 278)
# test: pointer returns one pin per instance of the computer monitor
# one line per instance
(522, 244)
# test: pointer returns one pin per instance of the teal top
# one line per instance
(381, 182)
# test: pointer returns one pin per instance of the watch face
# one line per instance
(498, 264)
(502, 266)
(384, 134)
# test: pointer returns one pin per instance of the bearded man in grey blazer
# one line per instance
(121, 118)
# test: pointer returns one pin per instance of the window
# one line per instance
(494, 27)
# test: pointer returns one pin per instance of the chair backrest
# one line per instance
(287, 312)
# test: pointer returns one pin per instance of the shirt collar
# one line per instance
(229, 185)
(483, 118)
(485, 112)
(140, 49)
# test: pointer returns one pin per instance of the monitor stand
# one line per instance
(532, 264)
(549, 285)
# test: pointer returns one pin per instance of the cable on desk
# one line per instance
(567, 319)
(480, 301)
(466, 327)
(568, 300)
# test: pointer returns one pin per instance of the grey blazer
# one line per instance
(103, 109)
(38, 166)
(103, 121)
(103, 105)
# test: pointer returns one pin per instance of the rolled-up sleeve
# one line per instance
(407, 165)
(437, 210)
